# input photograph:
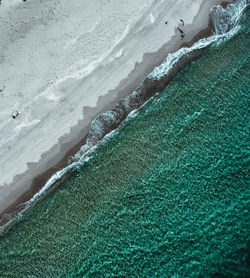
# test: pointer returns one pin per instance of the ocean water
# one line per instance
(166, 195)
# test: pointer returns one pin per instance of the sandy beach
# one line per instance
(63, 63)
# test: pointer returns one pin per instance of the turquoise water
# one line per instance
(166, 195)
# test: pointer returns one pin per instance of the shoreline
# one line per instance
(125, 89)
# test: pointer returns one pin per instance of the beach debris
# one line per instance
(15, 114)
(182, 21)
(1, 90)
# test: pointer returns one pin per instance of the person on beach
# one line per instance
(182, 21)
(166, 22)
(182, 33)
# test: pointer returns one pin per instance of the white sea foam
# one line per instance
(226, 25)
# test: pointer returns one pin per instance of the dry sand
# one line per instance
(64, 62)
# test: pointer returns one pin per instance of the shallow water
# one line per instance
(167, 195)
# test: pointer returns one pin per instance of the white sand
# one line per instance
(59, 57)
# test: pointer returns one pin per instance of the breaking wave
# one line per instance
(226, 24)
